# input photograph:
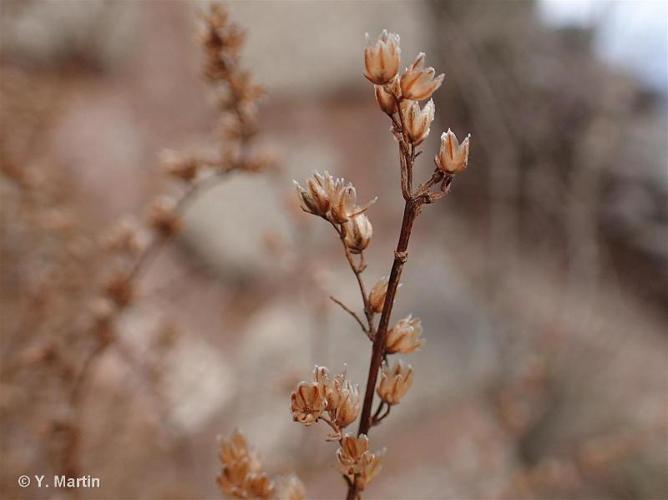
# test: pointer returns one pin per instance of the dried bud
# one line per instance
(405, 336)
(163, 216)
(382, 58)
(308, 402)
(417, 121)
(419, 83)
(290, 488)
(395, 382)
(377, 296)
(385, 100)
(356, 462)
(453, 157)
(358, 232)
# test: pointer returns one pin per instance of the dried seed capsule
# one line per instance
(405, 336)
(453, 157)
(417, 121)
(358, 232)
(385, 100)
(382, 58)
(395, 381)
(377, 296)
(419, 83)
(308, 402)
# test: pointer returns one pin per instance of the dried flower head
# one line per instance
(163, 216)
(453, 157)
(240, 473)
(308, 402)
(395, 381)
(179, 166)
(382, 58)
(343, 202)
(417, 121)
(377, 295)
(343, 398)
(405, 336)
(386, 101)
(351, 450)
(417, 82)
(356, 462)
(358, 232)
(314, 198)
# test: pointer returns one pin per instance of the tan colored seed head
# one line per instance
(405, 336)
(395, 381)
(417, 121)
(308, 402)
(452, 157)
(377, 295)
(382, 58)
(417, 82)
(358, 233)
(385, 100)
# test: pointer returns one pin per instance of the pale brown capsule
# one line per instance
(355, 460)
(350, 452)
(385, 100)
(343, 203)
(348, 406)
(405, 336)
(417, 121)
(308, 402)
(241, 468)
(453, 157)
(377, 296)
(395, 381)
(358, 233)
(417, 82)
(382, 58)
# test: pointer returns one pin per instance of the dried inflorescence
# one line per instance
(399, 96)
(356, 462)
(336, 397)
(241, 474)
(405, 337)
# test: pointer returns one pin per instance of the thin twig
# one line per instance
(351, 312)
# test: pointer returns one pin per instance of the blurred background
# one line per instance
(541, 280)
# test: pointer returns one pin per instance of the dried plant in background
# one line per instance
(69, 325)
(335, 400)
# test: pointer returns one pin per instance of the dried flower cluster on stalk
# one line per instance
(400, 96)
(109, 268)
(241, 474)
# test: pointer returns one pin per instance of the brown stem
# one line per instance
(400, 255)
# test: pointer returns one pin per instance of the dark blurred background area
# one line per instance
(541, 280)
